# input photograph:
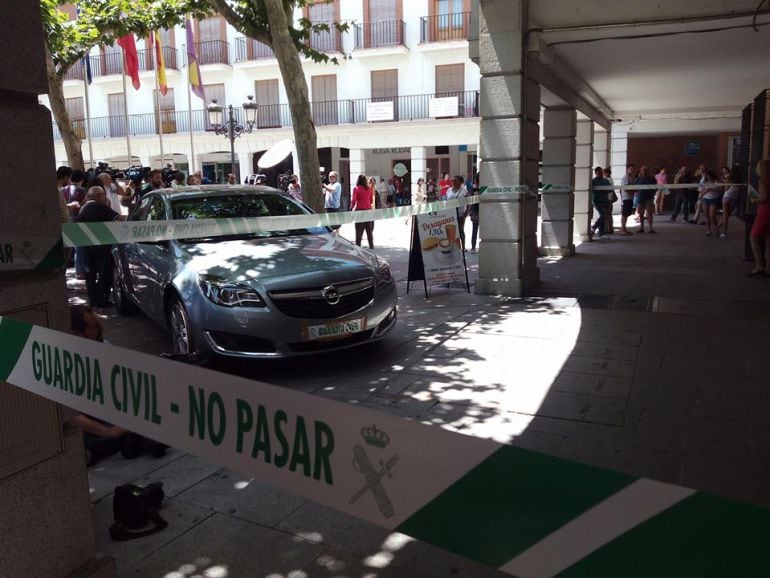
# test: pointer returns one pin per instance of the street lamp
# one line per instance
(231, 128)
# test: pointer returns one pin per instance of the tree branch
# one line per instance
(238, 22)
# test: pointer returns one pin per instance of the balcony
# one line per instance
(326, 40)
(213, 52)
(247, 49)
(379, 34)
(76, 72)
(334, 112)
(147, 59)
(107, 63)
(445, 27)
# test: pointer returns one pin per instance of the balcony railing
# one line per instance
(107, 63)
(147, 58)
(377, 34)
(213, 52)
(353, 111)
(444, 27)
(250, 49)
(326, 40)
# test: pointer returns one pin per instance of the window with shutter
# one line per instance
(215, 91)
(77, 115)
(116, 112)
(167, 110)
(266, 95)
(385, 87)
(324, 89)
(450, 82)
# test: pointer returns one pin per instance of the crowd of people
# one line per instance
(708, 195)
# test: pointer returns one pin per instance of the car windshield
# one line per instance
(238, 207)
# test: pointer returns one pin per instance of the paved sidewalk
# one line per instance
(644, 354)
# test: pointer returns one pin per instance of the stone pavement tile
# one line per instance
(180, 474)
(606, 351)
(348, 389)
(539, 442)
(726, 401)
(664, 430)
(337, 563)
(560, 427)
(598, 366)
(227, 546)
(244, 497)
(582, 407)
(607, 386)
(658, 465)
(181, 517)
(719, 437)
(101, 485)
(402, 406)
(596, 444)
(610, 336)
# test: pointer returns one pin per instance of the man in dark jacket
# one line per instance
(97, 258)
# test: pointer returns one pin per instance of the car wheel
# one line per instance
(179, 326)
(122, 304)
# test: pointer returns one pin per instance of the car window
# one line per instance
(235, 206)
(140, 213)
(157, 210)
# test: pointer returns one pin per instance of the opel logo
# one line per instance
(331, 295)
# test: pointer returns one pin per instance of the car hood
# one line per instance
(263, 259)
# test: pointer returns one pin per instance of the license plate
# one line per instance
(336, 329)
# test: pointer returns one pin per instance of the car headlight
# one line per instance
(230, 294)
(384, 276)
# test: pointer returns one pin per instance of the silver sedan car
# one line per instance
(262, 295)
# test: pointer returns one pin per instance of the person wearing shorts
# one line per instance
(626, 198)
(646, 196)
(712, 194)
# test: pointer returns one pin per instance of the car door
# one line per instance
(149, 262)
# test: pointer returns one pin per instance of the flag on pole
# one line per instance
(193, 68)
(87, 66)
(161, 64)
(132, 58)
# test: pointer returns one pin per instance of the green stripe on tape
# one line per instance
(102, 233)
(510, 501)
(54, 259)
(13, 336)
(701, 536)
(76, 234)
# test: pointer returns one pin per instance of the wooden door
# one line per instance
(212, 92)
(385, 88)
(115, 107)
(167, 111)
(324, 96)
(266, 95)
(75, 110)
(450, 81)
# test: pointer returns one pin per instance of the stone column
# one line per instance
(618, 151)
(557, 204)
(419, 166)
(245, 166)
(584, 209)
(357, 166)
(509, 149)
(45, 511)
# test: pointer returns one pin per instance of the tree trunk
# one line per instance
(72, 143)
(305, 138)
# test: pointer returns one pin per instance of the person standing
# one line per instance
(114, 191)
(710, 201)
(646, 196)
(626, 198)
(332, 195)
(661, 178)
(382, 191)
(681, 196)
(473, 213)
(457, 190)
(294, 189)
(612, 198)
(361, 200)
(419, 195)
(731, 198)
(760, 230)
(600, 201)
(97, 258)
(75, 197)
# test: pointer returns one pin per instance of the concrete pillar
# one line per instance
(357, 166)
(45, 511)
(245, 166)
(618, 151)
(509, 149)
(419, 166)
(584, 209)
(559, 128)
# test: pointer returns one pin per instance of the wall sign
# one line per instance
(692, 148)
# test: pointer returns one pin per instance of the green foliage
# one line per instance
(104, 21)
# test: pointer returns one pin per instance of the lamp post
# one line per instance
(231, 128)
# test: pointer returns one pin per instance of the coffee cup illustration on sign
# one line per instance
(446, 246)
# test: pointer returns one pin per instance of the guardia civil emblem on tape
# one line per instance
(528, 514)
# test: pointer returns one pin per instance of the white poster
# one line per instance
(442, 250)
(376, 111)
(447, 106)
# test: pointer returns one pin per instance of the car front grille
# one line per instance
(311, 304)
(312, 346)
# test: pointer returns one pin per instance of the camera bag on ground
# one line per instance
(135, 508)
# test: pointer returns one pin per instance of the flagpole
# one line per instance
(88, 117)
(189, 124)
(125, 112)
(158, 112)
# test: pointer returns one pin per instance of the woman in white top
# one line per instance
(458, 191)
(731, 198)
(419, 195)
(710, 201)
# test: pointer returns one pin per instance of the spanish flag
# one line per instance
(193, 68)
(161, 64)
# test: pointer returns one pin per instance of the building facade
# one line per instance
(403, 91)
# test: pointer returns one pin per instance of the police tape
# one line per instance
(36, 253)
(553, 188)
(528, 514)
(101, 233)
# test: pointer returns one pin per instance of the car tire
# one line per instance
(179, 327)
(119, 294)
